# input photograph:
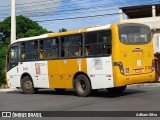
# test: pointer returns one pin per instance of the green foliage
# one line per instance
(3, 50)
(25, 27)
(62, 30)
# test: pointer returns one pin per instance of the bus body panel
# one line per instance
(38, 70)
(132, 60)
(53, 72)
(61, 72)
(13, 77)
(140, 63)
(100, 72)
(122, 80)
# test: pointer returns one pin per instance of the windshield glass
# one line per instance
(12, 57)
(134, 34)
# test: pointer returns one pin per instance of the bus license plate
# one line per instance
(138, 70)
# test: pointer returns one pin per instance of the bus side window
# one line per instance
(98, 43)
(41, 49)
(14, 55)
(62, 53)
(23, 55)
(87, 50)
(29, 50)
(23, 51)
(105, 39)
(91, 43)
(49, 48)
(35, 50)
(41, 54)
(71, 46)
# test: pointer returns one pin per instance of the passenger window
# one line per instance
(71, 46)
(29, 50)
(98, 43)
(104, 37)
(49, 48)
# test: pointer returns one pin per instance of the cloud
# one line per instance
(81, 3)
(34, 7)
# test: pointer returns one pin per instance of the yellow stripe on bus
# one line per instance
(61, 72)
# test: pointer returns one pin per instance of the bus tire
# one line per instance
(116, 90)
(59, 89)
(82, 86)
(27, 86)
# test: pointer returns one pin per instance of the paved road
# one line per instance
(133, 99)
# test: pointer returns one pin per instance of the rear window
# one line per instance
(134, 34)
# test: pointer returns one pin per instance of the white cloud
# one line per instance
(36, 6)
(81, 3)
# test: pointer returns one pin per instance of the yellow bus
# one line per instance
(110, 57)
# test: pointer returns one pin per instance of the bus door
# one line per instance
(12, 65)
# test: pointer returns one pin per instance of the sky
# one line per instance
(70, 14)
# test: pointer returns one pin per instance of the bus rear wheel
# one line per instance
(82, 86)
(27, 86)
(116, 90)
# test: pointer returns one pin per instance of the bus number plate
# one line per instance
(138, 70)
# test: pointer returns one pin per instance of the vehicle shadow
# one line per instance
(127, 92)
(97, 93)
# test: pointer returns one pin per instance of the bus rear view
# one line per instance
(133, 55)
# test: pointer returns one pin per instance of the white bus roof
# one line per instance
(32, 38)
(99, 28)
(89, 29)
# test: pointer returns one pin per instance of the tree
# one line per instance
(3, 50)
(25, 27)
(1, 37)
(62, 30)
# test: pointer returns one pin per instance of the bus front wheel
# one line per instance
(82, 86)
(116, 90)
(27, 86)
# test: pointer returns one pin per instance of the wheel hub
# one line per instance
(28, 85)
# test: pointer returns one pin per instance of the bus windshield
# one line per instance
(134, 34)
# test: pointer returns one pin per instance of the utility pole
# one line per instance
(13, 21)
(154, 16)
